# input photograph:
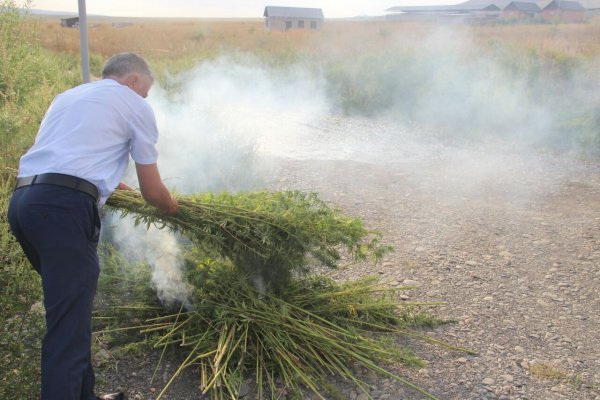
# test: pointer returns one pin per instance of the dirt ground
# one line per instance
(508, 238)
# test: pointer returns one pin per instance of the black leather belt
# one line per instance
(68, 181)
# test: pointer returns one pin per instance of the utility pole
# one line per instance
(83, 40)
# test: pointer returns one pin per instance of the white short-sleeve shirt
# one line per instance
(89, 131)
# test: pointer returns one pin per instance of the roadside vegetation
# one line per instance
(391, 74)
(30, 76)
(530, 83)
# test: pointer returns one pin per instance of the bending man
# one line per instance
(78, 159)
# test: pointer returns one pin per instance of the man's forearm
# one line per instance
(153, 189)
(161, 198)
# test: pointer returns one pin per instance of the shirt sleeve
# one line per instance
(144, 135)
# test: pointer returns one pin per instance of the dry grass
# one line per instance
(568, 39)
(548, 372)
(177, 38)
(551, 373)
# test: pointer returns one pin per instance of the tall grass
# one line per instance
(536, 83)
(177, 38)
(29, 78)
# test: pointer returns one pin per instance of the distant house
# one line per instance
(286, 18)
(519, 10)
(592, 7)
(476, 12)
(491, 8)
(564, 11)
(72, 22)
(486, 15)
(488, 11)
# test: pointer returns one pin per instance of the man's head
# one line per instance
(130, 70)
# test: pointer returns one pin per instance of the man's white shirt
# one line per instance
(89, 131)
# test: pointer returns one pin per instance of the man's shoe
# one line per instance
(113, 396)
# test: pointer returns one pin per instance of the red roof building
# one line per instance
(564, 11)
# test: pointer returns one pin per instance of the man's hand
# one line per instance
(174, 207)
(124, 186)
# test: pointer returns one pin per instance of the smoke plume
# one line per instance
(226, 122)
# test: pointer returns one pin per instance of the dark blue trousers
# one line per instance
(58, 229)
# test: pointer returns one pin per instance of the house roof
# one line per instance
(473, 5)
(591, 4)
(293, 12)
(564, 5)
(466, 6)
(522, 6)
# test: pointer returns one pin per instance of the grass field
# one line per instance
(369, 68)
(411, 71)
(181, 38)
(395, 67)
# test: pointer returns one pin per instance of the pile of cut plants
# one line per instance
(256, 309)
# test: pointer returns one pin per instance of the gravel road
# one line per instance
(510, 239)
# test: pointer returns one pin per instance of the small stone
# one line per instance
(488, 298)
(505, 254)
(488, 381)
(371, 376)
(101, 356)
(410, 282)
(508, 378)
(519, 349)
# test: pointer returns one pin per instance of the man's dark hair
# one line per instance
(122, 64)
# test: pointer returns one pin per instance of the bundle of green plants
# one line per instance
(316, 335)
(298, 332)
(269, 236)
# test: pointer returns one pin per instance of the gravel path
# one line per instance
(509, 239)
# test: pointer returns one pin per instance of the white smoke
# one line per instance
(224, 122)
(224, 113)
(159, 249)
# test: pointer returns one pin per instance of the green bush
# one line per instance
(22, 324)
(29, 78)
(540, 98)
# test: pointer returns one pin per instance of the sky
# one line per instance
(227, 8)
